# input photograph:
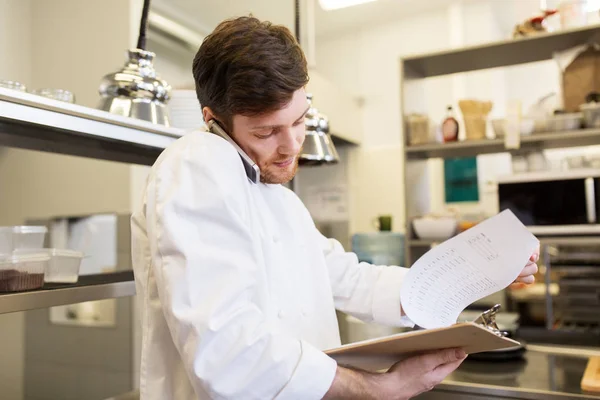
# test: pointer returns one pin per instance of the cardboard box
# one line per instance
(580, 78)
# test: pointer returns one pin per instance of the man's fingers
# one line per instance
(526, 279)
(444, 370)
(536, 255)
(437, 358)
(530, 269)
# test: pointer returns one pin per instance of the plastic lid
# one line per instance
(585, 106)
(19, 258)
(65, 253)
(566, 116)
(50, 252)
(25, 229)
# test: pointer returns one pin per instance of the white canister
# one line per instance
(572, 13)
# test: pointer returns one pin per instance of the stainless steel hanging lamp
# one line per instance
(318, 146)
(136, 90)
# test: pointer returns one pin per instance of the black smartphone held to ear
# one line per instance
(252, 170)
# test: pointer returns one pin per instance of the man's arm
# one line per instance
(368, 292)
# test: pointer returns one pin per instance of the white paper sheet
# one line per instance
(474, 264)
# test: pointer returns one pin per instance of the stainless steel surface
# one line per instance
(544, 176)
(36, 123)
(318, 146)
(549, 140)
(136, 90)
(14, 302)
(571, 351)
(540, 375)
(497, 54)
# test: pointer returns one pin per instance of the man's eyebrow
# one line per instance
(279, 126)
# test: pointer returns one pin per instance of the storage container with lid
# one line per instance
(591, 114)
(418, 129)
(21, 237)
(22, 272)
(63, 265)
(565, 122)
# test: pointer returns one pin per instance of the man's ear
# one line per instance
(207, 114)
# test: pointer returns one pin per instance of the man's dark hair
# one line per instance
(248, 67)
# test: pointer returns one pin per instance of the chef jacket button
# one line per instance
(275, 239)
(303, 312)
(281, 314)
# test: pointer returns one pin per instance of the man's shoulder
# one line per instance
(205, 152)
(200, 142)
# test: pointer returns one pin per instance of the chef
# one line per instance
(238, 288)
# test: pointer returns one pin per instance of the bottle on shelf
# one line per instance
(450, 126)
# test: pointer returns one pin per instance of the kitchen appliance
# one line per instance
(136, 90)
(553, 202)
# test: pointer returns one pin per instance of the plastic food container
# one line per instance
(565, 122)
(475, 127)
(418, 129)
(591, 115)
(63, 265)
(526, 127)
(22, 272)
(21, 237)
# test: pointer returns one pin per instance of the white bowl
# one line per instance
(435, 228)
(526, 127)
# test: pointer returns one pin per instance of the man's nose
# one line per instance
(291, 142)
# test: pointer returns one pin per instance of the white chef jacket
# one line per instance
(238, 288)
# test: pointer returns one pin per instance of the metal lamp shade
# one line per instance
(318, 146)
(136, 90)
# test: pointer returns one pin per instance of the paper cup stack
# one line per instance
(185, 110)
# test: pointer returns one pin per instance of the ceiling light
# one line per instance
(337, 4)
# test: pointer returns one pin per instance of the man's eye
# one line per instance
(266, 135)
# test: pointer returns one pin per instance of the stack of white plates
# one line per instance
(185, 110)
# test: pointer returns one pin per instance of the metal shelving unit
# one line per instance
(498, 54)
(37, 123)
(88, 288)
(546, 140)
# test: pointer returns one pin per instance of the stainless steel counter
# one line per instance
(539, 375)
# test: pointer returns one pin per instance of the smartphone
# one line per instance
(252, 170)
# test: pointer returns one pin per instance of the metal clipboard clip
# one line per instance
(487, 319)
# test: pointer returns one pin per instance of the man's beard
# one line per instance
(267, 176)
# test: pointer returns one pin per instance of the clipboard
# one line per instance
(380, 354)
